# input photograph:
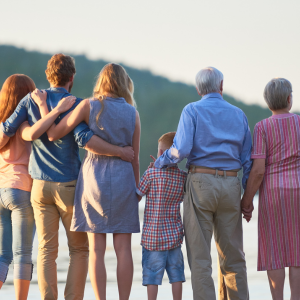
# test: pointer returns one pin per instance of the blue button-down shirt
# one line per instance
(56, 161)
(211, 133)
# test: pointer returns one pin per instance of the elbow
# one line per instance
(51, 137)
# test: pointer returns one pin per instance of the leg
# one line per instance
(229, 239)
(177, 290)
(47, 224)
(97, 271)
(199, 206)
(221, 284)
(294, 277)
(152, 291)
(77, 241)
(23, 233)
(175, 271)
(276, 281)
(6, 255)
(21, 288)
(122, 245)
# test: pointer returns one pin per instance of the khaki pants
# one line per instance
(212, 204)
(51, 201)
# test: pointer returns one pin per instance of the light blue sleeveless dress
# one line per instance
(105, 198)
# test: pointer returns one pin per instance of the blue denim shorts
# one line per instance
(156, 262)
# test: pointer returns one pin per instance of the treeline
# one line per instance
(160, 101)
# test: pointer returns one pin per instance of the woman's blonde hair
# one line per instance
(113, 80)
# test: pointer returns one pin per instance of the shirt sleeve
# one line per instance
(259, 143)
(144, 185)
(82, 134)
(183, 141)
(19, 116)
(246, 153)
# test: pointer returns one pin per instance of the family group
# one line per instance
(42, 181)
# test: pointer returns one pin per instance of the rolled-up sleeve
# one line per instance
(183, 141)
(82, 134)
(246, 153)
(20, 115)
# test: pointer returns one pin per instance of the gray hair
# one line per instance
(276, 93)
(208, 80)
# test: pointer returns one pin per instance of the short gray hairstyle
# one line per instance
(276, 93)
(208, 80)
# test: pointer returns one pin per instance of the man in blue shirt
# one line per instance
(215, 138)
(54, 166)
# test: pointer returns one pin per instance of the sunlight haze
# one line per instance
(249, 41)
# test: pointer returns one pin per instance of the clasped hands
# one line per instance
(247, 208)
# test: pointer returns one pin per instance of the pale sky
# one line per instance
(250, 42)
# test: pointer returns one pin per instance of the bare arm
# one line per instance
(253, 183)
(30, 133)
(136, 148)
(69, 122)
(3, 139)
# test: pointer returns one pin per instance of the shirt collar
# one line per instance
(212, 95)
(58, 90)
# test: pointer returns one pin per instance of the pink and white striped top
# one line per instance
(277, 139)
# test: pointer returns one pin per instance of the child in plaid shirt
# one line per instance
(163, 230)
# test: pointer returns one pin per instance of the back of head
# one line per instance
(208, 80)
(114, 80)
(14, 89)
(277, 92)
(166, 140)
(60, 69)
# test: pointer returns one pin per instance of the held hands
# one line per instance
(39, 97)
(65, 104)
(152, 163)
(127, 154)
(247, 210)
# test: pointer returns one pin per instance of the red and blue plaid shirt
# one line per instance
(162, 229)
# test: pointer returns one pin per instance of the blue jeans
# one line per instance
(156, 262)
(17, 229)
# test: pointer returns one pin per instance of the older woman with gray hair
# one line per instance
(276, 172)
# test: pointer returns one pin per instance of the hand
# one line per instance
(152, 163)
(39, 97)
(65, 104)
(127, 154)
(247, 212)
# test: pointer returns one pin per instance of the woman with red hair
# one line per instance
(17, 225)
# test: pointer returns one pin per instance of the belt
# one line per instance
(205, 170)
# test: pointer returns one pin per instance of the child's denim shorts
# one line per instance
(156, 262)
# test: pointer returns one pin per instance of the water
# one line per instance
(258, 282)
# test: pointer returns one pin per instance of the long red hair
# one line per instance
(14, 89)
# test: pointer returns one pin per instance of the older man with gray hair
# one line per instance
(215, 138)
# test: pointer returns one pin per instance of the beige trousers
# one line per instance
(212, 205)
(52, 201)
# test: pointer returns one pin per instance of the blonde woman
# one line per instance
(105, 198)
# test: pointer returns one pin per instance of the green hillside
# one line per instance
(160, 101)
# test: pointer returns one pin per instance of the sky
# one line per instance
(250, 42)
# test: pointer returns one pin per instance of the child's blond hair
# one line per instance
(167, 139)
